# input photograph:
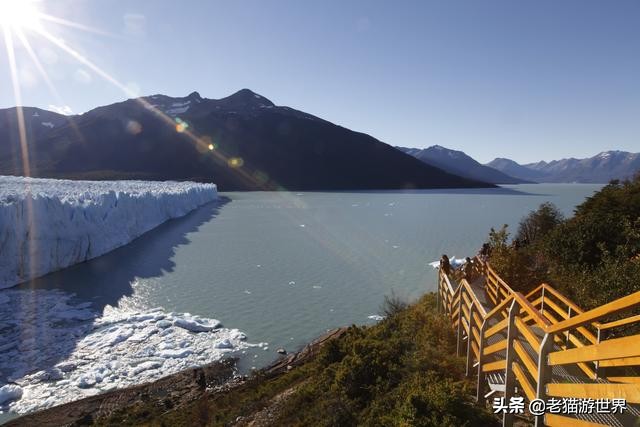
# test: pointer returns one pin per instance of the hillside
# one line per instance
(459, 163)
(241, 142)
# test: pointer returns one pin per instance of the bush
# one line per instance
(592, 257)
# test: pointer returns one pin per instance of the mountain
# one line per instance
(241, 142)
(459, 163)
(514, 169)
(600, 168)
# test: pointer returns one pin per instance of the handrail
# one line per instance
(547, 287)
(498, 308)
(531, 310)
(598, 312)
(563, 324)
(447, 281)
(620, 322)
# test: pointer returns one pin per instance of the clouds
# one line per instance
(60, 109)
(135, 24)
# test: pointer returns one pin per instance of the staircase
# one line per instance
(544, 346)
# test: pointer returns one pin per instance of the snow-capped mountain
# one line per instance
(459, 163)
(241, 142)
(600, 168)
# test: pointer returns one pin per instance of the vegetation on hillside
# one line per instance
(398, 372)
(593, 257)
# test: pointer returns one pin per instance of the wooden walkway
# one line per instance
(544, 346)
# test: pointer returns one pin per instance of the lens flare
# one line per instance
(19, 14)
(235, 162)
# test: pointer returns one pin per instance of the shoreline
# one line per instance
(171, 391)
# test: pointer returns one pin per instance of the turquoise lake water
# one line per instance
(285, 267)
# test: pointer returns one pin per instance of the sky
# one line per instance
(536, 80)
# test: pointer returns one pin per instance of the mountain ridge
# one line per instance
(601, 168)
(459, 163)
(241, 142)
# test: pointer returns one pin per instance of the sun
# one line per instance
(19, 14)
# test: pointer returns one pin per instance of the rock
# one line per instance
(281, 351)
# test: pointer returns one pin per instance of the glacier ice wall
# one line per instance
(48, 224)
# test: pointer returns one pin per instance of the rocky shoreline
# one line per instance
(168, 393)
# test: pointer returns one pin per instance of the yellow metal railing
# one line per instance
(525, 337)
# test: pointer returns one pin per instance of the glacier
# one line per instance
(50, 224)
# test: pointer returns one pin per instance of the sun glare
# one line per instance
(19, 14)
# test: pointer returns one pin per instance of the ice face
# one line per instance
(54, 350)
(47, 224)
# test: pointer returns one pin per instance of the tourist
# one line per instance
(445, 265)
(468, 269)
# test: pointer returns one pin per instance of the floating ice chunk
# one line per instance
(247, 292)
(240, 336)
(164, 323)
(117, 349)
(376, 317)
(53, 374)
(86, 381)
(224, 343)
(435, 264)
(48, 124)
(456, 262)
(9, 392)
(175, 354)
(317, 287)
(195, 325)
(144, 366)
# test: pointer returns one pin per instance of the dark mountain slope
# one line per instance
(257, 146)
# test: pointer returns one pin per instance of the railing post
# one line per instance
(481, 375)
(509, 377)
(438, 291)
(470, 339)
(597, 361)
(544, 373)
(566, 341)
(542, 302)
(459, 340)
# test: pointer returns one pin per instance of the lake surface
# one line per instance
(285, 267)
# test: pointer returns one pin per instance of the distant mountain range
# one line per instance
(461, 164)
(241, 142)
(600, 168)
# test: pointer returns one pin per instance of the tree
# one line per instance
(539, 223)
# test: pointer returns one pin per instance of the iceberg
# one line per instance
(50, 224)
